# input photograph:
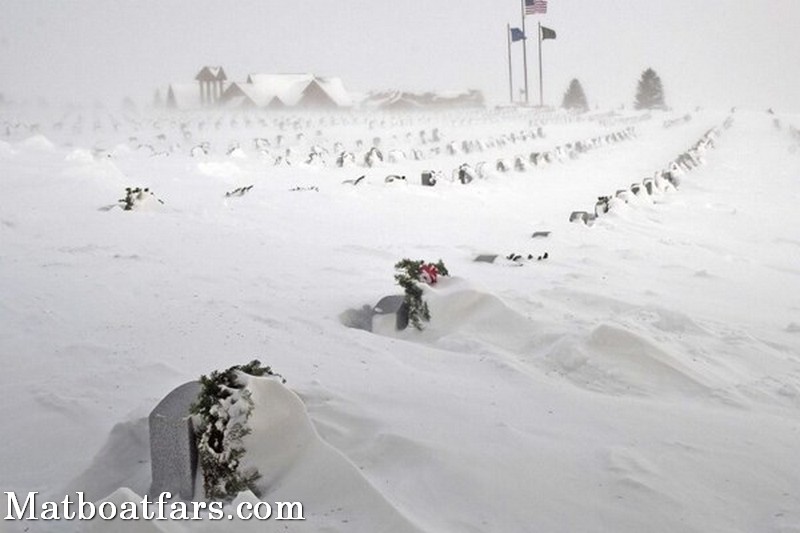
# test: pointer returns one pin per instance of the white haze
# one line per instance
(715, 53)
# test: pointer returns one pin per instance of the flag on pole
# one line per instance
(517, 35)
(547, 33)
(533, 7)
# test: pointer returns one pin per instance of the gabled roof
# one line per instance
(396, 100)
(288, 87)
(336, 90)
(409, 100)
(301, 89)
(258, 96)
(211, 74)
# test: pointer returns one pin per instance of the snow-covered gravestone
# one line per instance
(394, 304)
(173, 451)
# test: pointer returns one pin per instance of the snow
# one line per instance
(644, 377)
(185, 95)
(289, 88)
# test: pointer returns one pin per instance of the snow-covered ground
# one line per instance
(644, 377)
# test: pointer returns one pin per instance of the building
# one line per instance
(301, 91)
(258, 91)
(212, 84)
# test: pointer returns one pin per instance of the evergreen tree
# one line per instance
(575, 98)
(650, 91)
(158, 101)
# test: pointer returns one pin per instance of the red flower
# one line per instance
(428, 273)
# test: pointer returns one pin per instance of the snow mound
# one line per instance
(227, 170)
(80, 155)
(615, 360)
(124, 460)
(295, 462)
(295, 465)
(118, 497)
(464, 318)
(6, 151)
(38, 142)
(609, 358)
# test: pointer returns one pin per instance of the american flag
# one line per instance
(532, 7)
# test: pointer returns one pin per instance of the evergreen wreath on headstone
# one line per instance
(410, 274)
(134, 196)
(220, 416)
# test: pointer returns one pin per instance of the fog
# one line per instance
(714, 53)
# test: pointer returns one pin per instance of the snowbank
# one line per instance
(645, 377)
(295, 466)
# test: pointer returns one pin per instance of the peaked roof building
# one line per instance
(211, 74)
(288, 90)
(212, 84)
(261, 91)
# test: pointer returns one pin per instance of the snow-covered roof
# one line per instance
(211, 74)
(334, 86)
(298, 89)
(256, 94)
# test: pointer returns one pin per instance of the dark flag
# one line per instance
(517, 35)
(547, 33)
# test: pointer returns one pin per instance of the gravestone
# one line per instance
(394, 304)
(601, 207)
(345, 159)
(173, 451)
(503, 165)
(578, 216)
(582, 216)
(465, 174)
(373, 157)
(481, 170)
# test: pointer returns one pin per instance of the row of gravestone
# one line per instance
(678, 121)
(203, 148)
(100, 120)
(562, 152)
(618, 120)
(76, 123)
(795, 134)
(466, 173)
(465, 146)
(319, 155)
(662, 180)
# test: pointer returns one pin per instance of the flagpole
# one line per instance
(541, 95)
(510, 78)
(524, 51)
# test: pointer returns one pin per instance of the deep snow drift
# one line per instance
(644, 377)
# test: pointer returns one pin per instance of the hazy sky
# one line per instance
(714, 53)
